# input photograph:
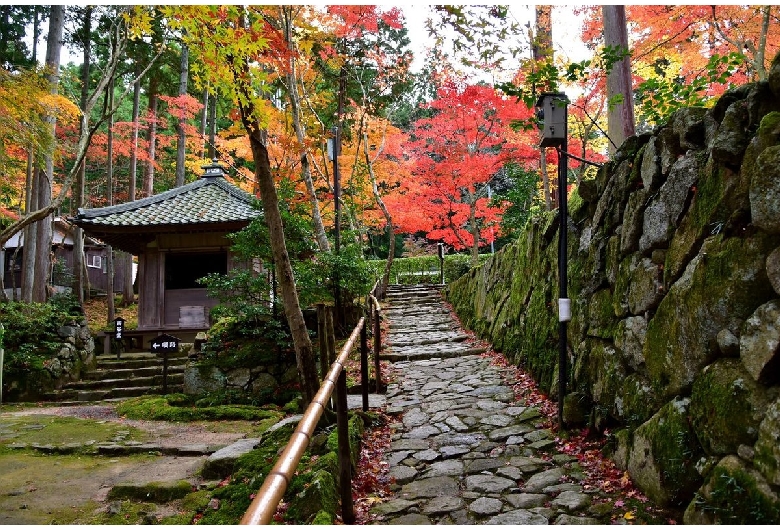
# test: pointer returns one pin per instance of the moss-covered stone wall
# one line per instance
(674, 276)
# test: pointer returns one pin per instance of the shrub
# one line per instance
(30, 339)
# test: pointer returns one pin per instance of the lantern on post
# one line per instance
(552, 111)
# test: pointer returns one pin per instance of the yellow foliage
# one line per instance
(139, 21)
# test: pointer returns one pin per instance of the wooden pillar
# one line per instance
(345, 459)
(364, 364)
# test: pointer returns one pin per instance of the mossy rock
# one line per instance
(323, 517)
(663, 456)
(767, 457)
(734, 494)
(645, 290)
(356, 427)
(637, 401)
(720, 288)
(577, 206)
(632, 221)
(630, 339)
(589, 263)
(625, 272)
(765, 190)
(726, 407)
(688, 124)
(720, 204)
(618, 447)
(320, 495)
(606, 375)
(601, 315)
(157, 492)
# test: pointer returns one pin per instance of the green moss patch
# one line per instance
(157, 492)
(735, 495)
(179, 408)
(664, 454)
(58, 431)
(726, 407)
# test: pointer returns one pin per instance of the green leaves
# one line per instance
(659, 97)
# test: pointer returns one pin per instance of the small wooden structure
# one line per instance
(95, 252)
(179, 237)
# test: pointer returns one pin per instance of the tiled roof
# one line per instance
(207, 200)
(208, 204)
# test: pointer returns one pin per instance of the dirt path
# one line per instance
(41, 488)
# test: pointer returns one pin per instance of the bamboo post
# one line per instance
(364, 364)
(321, 336)
(330, 332)
(345, 459)
(2, 353)
(377, 347)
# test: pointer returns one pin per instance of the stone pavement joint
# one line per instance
(462, 451)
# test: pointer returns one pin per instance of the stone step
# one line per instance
(138, 360)
(423, 339)
(154, 380)
(432, 309)
(414, 354)
(416, 294)
(130, 373)
(430, 327)
(412, 292)
(75, 397)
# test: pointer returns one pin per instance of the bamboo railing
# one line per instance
(272, 491)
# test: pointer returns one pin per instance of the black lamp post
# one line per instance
(334, 147)
(552, 110)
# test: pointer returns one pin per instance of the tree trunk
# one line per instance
(181, 141)
(80, 278)
(620, 116)
(111, 313)
(110, 147)
(212, 147)
(204, 119)
(34, 215)
(43, 261)
(760, 54)
(30, 231)
(542, 45)
(304, 353)
(152, 136)
(295, 108)
(134, 148)
(110, 201)
(543, 52)
(474, 230)
(128, 296)
(385, 212)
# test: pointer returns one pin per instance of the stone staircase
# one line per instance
(422, 327)
(133, 374)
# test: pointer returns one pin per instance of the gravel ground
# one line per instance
(163, 433)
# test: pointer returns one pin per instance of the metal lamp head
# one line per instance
(551, 110)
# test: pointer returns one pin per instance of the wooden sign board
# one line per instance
(164, 344)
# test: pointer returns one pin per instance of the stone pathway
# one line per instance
(462, 451)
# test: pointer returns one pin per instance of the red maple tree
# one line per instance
(459, 150)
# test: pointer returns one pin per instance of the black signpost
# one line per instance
(441, 263)
(119, 328)
(163, 345)
(552, 109)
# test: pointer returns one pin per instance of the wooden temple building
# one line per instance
(179, 236)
